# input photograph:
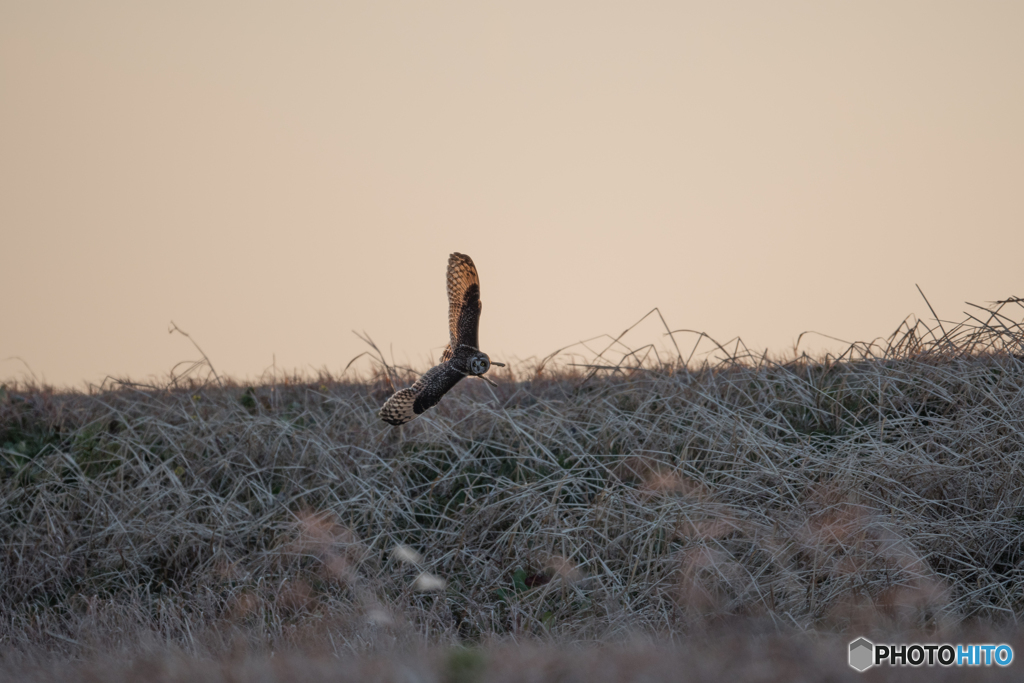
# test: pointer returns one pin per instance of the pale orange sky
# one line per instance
(273, 176)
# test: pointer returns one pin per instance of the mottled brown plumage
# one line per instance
(461, 357)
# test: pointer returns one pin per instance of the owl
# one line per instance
(462, 357)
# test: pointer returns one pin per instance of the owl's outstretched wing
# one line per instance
(406, 404)
(463, 301)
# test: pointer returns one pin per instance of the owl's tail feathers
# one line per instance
(397, 410)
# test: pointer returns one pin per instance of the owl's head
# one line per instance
(479, 364)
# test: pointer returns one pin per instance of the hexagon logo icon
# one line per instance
(862, 653)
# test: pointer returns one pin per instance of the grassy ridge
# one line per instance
(878, 491)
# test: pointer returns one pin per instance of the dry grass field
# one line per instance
(630, 517)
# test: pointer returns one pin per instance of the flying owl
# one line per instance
(461, 357)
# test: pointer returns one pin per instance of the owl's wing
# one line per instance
(447, 354)
(406, 404)
(463, 301)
